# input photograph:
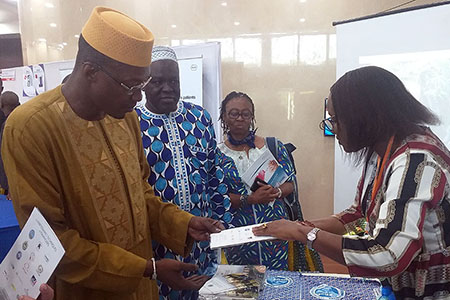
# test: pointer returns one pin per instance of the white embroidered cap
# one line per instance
(163, 52)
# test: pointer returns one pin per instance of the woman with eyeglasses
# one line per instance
(242, 147)
(403, 196)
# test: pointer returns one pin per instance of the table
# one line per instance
(312, 286)
(286, 285)
(9, 227)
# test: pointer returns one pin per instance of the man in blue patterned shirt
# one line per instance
(181, 150)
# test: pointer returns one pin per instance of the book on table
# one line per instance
(234, 282)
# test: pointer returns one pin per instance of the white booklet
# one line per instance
(236, 236)
(31, 260)
(266, 168)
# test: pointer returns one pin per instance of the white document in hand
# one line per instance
(31, 260)
(236, 236)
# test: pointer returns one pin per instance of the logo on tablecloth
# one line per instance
(326, 292)
(279, 281)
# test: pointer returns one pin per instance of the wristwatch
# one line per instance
(311, 237)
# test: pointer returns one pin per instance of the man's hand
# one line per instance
(198, 280)
(170, 272)
(46, 293)
(200, 228)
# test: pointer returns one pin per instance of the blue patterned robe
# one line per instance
(182, 153)
(273, 254)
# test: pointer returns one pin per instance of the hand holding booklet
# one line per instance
(31, 260)
(236, 236)
(265, 169)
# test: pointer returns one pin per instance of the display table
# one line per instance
(285, 285)
(312, 286)
(9, 227)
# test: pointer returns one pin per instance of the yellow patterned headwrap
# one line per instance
(119, 37)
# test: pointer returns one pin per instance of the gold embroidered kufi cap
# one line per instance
(119, 37)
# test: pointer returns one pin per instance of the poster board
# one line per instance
(191, 85)
(29, 81)
(212, 77)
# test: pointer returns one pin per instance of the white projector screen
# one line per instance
(413, 44)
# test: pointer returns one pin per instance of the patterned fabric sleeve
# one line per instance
(285, 162)
(413, 185)
(232, 178)
(220, 203)
(352, 218)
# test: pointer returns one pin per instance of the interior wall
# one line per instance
(281, 53)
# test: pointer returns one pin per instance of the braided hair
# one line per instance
(223, 111)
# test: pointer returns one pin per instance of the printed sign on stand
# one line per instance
(39, 78)
(8, 75)
(28, 87)
(191, 76)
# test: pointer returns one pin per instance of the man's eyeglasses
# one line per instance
(245, 114)
(327, 124)
(130, 90)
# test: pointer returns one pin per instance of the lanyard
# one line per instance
(379, 175)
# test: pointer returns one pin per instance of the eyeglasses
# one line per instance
(327, 124)
(130, 90)
(245, 114)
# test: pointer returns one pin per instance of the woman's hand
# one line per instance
(326, 243)
(282, 230)
(263, 195)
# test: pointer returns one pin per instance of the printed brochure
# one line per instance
(31, 260)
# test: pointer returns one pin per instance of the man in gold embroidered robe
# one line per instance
(75, 152)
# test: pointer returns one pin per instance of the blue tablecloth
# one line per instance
(9, 227)
(294, 285)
